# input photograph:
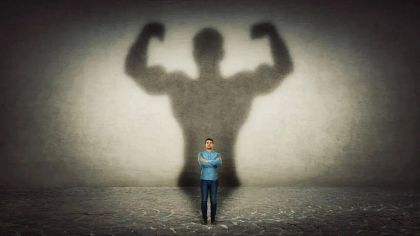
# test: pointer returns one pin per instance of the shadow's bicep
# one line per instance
(266, 78)
(262, 80)
(153, 79)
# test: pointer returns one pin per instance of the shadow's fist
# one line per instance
(260, 30)
(154, 29)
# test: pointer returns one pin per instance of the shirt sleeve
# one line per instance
(203, 164)
(217, 162)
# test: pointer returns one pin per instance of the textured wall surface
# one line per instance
(347, 114)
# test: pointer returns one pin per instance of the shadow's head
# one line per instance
(208, 48)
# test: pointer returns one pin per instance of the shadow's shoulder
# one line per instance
(264, 66)
(245, 74)
(180, 76)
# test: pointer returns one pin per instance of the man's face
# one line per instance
(209, 144)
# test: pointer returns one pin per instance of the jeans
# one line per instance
(205, 185)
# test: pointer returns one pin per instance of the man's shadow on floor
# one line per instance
(209, 106)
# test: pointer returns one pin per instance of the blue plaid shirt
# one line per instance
(209, 171)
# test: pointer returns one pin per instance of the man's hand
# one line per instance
(262, 29)
(154, 29)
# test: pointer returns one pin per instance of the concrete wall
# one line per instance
(347, 114)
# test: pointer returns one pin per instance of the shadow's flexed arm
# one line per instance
(153, 79)
(266, 77)
(281, 57)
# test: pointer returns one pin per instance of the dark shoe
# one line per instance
(213, 222)
(203, 221)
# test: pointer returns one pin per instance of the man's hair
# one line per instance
(205, 141)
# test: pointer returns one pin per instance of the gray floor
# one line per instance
(242, 211)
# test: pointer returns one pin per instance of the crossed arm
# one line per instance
(209, 163)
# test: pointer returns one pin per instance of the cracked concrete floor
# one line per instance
(241, 211)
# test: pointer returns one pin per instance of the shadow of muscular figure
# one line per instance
(210, 106)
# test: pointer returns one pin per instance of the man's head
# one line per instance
(208, 47)
(209, 143)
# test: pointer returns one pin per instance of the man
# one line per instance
(210, 162)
